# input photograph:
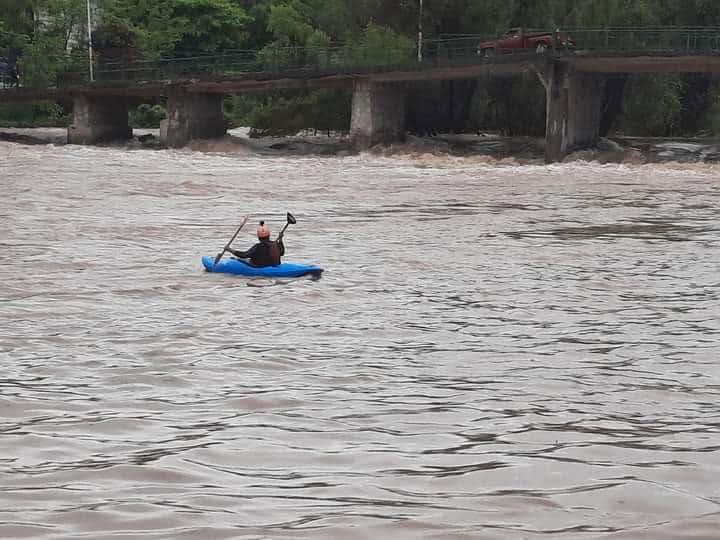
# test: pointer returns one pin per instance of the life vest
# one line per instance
(266, 253)
(274, 253)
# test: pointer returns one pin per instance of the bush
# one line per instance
(381, 46)
(147, 116)
(43, 114)
(287, 113)
(711, 119)
(653, 105)
(238, 109)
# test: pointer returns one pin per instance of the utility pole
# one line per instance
(420, 33)
(90, 48)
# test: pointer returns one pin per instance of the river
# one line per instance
(495, 350)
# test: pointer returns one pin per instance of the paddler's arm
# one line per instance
(242, 254)
(281, 246)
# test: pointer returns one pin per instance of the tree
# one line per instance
(64, 20)
(176, 27)
(380, 45)
(289, 24)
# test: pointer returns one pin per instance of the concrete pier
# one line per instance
(192, 116)
(378, 114)
(98, 120)
(574, 108)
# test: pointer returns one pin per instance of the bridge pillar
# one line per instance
(98, 119)
(378, 114)
(192, 116)
(574, 110)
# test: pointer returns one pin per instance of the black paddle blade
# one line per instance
(291, 219)
(217, 259)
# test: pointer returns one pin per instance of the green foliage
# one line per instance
(296, 42)
(210, 25)
(40, 64)
(288, 24)
(169, 27)
(238, 109)
(319, 49)
(17, 18)
(324, 33)
(11, 42)
(318, 40)
(63, 20)
(653, 104)
(147, 116)
(275, 56)
(287, 113)
(712, 119)
(511, 106)
(44, 114)
(606, 13)
(379, 45)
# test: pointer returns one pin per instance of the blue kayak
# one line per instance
(241, 268)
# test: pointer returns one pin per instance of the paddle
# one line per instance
(290, 221)
(219, 255)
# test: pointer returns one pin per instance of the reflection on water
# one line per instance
(494, 351)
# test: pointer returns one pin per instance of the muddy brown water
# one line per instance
(495, 350)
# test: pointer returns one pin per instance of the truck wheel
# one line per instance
(541, 48)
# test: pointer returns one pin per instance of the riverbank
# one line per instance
(527, 150)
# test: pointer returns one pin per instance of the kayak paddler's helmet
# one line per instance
(263, 231)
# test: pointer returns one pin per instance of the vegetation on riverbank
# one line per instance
(47, 39)
(43, 114)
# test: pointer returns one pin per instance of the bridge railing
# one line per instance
(275, 62)
(301, 61)
(694, 40)
(623, 40)
(270, 61)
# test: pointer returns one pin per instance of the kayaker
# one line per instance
(266, 252)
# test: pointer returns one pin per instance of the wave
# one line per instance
(472, 149)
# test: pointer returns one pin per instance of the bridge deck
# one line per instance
(644, 63)
(298, 78)
(127, 83)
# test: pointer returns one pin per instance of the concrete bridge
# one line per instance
(574, 81)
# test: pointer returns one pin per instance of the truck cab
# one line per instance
(520, 39)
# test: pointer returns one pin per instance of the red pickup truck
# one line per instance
(520, 38)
